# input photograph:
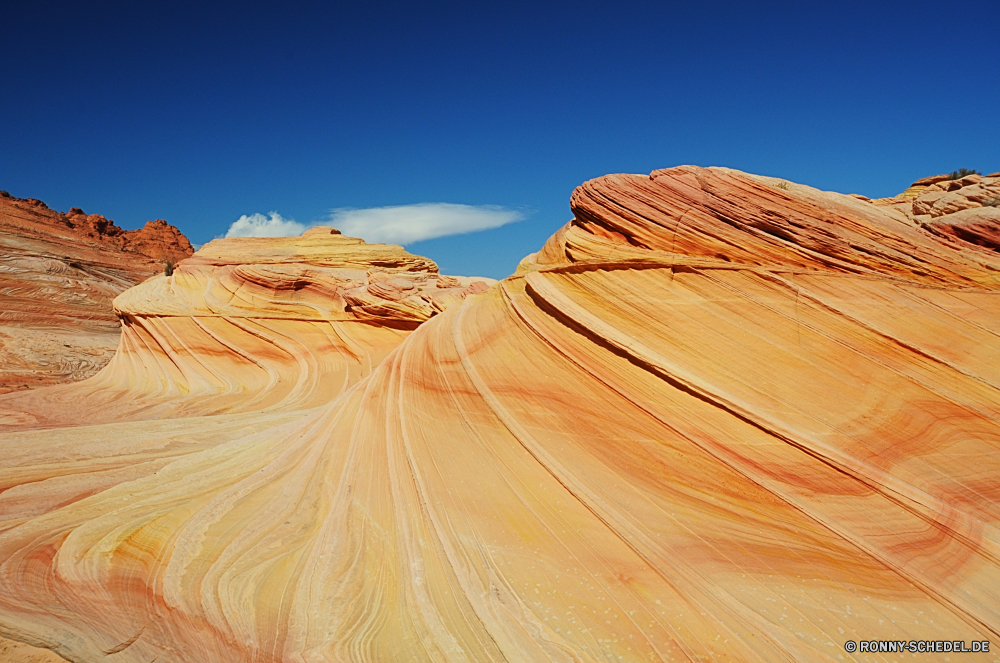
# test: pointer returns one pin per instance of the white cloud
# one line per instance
(258, 225)
(404, 224)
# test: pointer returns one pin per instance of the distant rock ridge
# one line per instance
(966, 209)
(157, 240)
(58, 275)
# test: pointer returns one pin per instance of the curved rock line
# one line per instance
(713, 418)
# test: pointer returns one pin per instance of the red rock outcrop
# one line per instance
(58, 275)
(716, 417)
(158, 240)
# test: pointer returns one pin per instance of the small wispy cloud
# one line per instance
(399, 224)
(258, 225)
(405, 224)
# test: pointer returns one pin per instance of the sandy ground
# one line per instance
(39, 357)
(16, 652)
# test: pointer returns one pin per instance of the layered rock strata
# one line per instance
(252, 324)
(58, 276)
(716, 417)
(966, 209)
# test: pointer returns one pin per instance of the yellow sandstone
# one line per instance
(716, 417)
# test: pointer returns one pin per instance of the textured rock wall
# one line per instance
(715, 417)
(58, 276)
(966, 209)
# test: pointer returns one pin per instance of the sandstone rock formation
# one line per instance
(58, 275)
(716, 417)
(966, 209)
(249, 325)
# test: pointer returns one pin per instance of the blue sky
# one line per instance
(202, 113)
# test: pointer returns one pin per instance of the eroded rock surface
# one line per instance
(715, 417)
(966, 209)
(58, 276)
(252, 324)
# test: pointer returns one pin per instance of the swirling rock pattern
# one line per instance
(716, 417)
(299, 323)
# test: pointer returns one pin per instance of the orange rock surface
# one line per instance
(716, 417)
(966, 209)
(58, 275)
(249, 325)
